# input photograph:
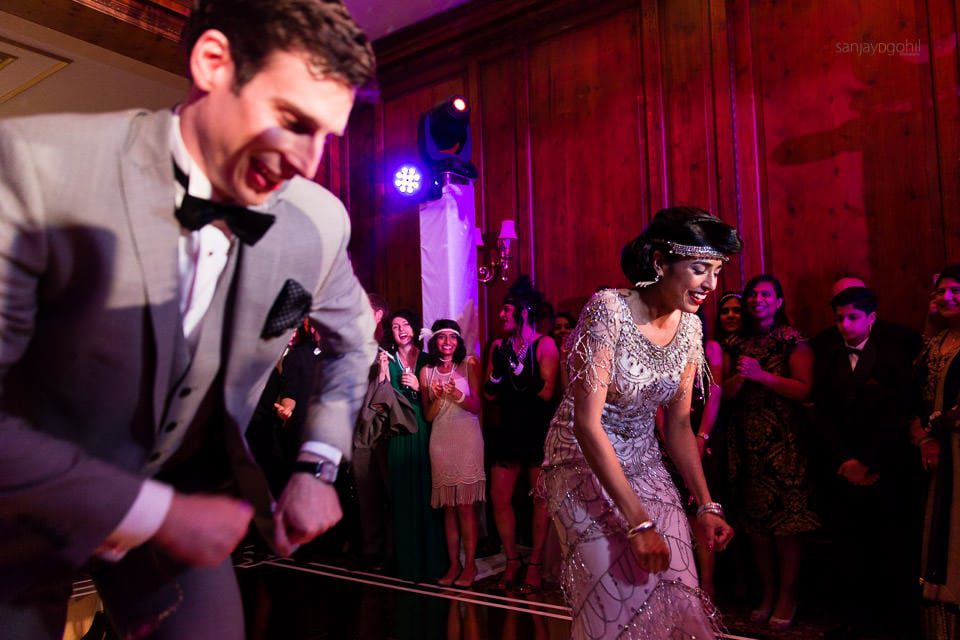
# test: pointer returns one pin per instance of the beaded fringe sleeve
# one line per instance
(593, 342)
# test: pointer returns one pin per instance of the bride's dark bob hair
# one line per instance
(680, 225)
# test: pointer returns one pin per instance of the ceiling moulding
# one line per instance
(23, 66)
(479, 28)
(162, 17)
(146, 30)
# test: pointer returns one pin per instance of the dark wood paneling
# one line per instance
(591, 116)
(365, 190)
(846, 154)
(398, 247)
(146, 31)
(502, 158)
(585, 154)
(945, 105)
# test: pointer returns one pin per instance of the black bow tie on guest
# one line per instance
(853, 350)
(194, 213)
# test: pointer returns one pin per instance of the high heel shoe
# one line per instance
(466, 583)
(532, 587)
(509, 578)
(782, 624)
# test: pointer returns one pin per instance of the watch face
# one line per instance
(323, 470)
(326, 471)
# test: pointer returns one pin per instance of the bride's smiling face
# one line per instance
(686, 283)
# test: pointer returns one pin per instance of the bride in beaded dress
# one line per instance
(628, 570)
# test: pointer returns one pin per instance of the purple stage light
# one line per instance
(408, 180)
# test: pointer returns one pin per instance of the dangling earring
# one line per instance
(642, 284)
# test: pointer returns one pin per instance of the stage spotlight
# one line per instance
(408, 180)
(444, 138)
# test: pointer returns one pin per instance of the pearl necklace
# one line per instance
(445, 377)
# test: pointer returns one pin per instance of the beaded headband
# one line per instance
(692, 251)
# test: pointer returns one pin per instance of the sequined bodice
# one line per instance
(609, 350)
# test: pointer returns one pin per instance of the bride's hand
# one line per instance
(712, 531)
(651, 551)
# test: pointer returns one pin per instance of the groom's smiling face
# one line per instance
(274, 127)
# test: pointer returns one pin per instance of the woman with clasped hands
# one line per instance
(629, 562)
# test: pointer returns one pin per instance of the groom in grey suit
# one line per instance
(142, 309)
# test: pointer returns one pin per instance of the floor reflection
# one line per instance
(297, 600)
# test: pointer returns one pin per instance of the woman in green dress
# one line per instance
(419, 547)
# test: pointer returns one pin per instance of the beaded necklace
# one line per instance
(445, 377)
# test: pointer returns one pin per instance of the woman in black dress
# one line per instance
(521, 378)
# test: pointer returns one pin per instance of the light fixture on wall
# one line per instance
(501, 262)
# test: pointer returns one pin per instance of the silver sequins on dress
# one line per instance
(610, 594)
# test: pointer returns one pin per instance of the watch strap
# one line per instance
(322, 470)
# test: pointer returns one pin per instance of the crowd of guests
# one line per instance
(847, 434)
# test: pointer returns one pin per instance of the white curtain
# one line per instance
(448, 259)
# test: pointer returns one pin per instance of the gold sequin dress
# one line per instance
(610, 594)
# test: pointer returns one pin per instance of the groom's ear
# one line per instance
(211, 63)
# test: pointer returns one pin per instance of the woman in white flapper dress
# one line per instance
(451, 400)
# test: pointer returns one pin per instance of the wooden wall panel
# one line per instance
(398, 224)
(501, 157)
(365, 190)
(688, 101)
(585, 154)
(941, 52)
(845, 154)
(589, 118)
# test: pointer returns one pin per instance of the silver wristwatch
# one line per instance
(322, 470)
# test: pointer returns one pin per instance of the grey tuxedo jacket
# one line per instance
(90, 329)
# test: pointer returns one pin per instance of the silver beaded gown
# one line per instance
(610, 594)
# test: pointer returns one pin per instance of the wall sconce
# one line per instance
(501, 263)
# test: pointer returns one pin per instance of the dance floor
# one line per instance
(297, 599)
(317, 597)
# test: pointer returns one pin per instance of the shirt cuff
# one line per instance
(142, 521)
(322, 449)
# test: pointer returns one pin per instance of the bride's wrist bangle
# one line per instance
(711, 507)
(637, 529)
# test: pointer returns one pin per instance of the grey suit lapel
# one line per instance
(147, 181)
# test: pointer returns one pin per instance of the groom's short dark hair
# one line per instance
(323, 29)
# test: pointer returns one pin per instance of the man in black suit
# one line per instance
(891, 332)
(861, 397)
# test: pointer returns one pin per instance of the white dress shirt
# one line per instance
(202, 256)
(855, 357)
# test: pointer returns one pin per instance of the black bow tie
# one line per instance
(194, 213)
(853, 350)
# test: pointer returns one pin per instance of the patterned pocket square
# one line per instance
(292, 304)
